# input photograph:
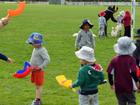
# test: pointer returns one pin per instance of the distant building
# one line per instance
(57, 1)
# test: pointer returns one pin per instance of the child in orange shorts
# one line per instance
(39, 60)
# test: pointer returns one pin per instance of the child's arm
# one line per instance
(4, 21)
(110, 79)
(110, 71)
(77, 41)
(79, 81)
(113, 19)
(92, 40)
(44, 54)
(5, 58)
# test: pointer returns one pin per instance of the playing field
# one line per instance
(57, 24)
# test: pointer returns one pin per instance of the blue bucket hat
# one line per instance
(35, 38)
(86, 21)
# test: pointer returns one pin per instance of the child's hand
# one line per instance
(76, 49)
(138, 85)
(5, 20)
(35, 68)
(10, 61)
(70, 86)
(113, 87)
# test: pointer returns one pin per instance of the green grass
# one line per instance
(57, 23)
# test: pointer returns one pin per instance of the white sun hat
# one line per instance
(124, 46)
(86, 53)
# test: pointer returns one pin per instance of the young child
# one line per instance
(102, 24)
(136, 53)
(122, 72)
(119, 22)
(127, 24)
(39, 60)
(5, 58)
(85, 37)
(89, 77)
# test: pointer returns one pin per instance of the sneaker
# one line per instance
(36, 102)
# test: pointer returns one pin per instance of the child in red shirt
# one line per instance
(122, 72)
(127, 24)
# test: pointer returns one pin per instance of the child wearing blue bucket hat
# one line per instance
(85, 35)
(39, 60)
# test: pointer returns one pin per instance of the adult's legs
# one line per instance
(127, 31)
(105, 30)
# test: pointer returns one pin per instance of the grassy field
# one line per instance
(57, 24)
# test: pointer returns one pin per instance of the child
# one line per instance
(102, 24)
(5, 58)
(119, 22)
(39, 60)
(127, 24)
(89, 77)
(122, 72)
(136, 53)
(4, 21)
(85, 37)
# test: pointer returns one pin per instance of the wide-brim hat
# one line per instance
(125, 46)
(86, 21)
(86, 53)
(35, 38)
(137, 34)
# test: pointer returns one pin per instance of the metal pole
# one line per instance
(133, 9)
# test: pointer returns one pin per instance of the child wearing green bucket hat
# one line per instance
(39, 60)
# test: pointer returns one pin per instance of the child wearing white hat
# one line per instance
(89, 77)
(122, 72)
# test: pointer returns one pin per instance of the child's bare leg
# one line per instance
(39, 92)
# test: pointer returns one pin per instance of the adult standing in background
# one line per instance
(110, 15)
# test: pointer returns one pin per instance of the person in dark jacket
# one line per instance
(110, 15)
(136, 53)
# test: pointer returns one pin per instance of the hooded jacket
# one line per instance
(89, 77)
(127, 19)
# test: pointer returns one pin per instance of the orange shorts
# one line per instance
(37, 77)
